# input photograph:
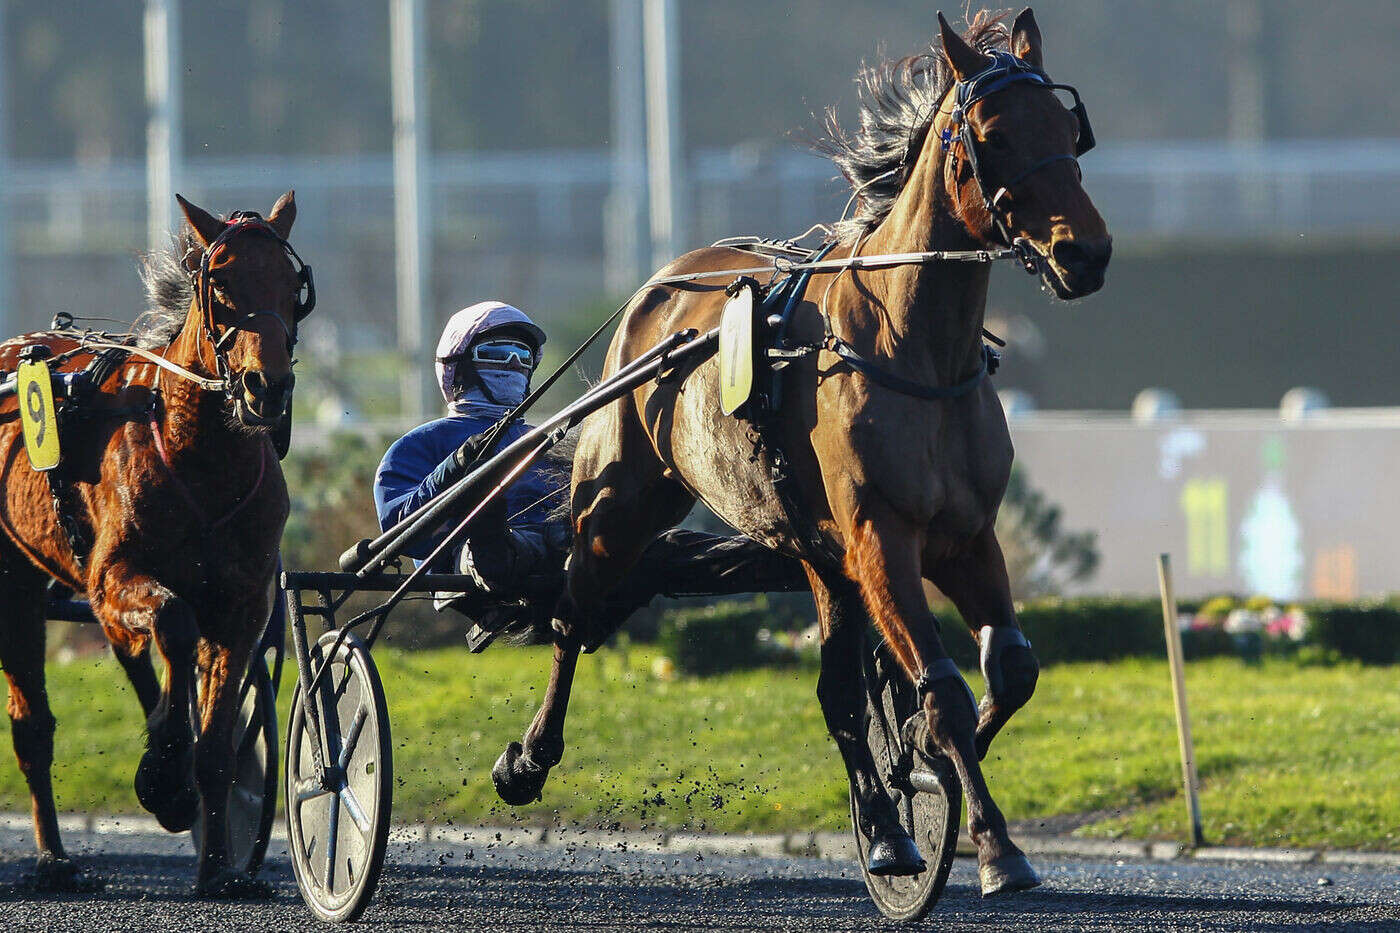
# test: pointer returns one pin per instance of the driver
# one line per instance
(484, 361)
(485, 358)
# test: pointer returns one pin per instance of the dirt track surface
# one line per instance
(431, 887)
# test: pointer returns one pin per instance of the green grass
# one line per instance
(1288, 754)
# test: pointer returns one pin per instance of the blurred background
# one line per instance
(1223, 398)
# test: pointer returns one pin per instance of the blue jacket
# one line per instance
(411, 473)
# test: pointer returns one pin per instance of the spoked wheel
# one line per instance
(252, 803)
(926, 794)
(338, 820)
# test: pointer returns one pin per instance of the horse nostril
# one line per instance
(255, 383)
(1082, 255)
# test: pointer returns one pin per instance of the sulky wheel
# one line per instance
(253, 794)
(338, 819)
(926, 794)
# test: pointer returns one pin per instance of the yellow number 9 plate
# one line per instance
(36, 414)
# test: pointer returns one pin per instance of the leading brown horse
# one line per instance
(962, 148)
(166, 510)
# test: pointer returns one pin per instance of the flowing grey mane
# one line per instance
(169, 292)
(898, 100)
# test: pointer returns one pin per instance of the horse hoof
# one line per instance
(1007, 874)
(229, 885)
(175, 810)
(518, 780)
(61, 876)
(165, 787)
(894, 854)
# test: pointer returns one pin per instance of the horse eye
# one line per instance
(997, 140)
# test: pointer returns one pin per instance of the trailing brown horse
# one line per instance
(962, 148)
(166, 510)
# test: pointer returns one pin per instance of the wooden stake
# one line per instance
(1183, 715)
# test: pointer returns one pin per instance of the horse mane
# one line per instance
(898, 100)
(169, 292)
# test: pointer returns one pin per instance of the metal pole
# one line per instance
(1183, 715)
(8, 324)
(162, 32)
(1247, 100)
(626, 255)
(412, 217)
(665, 163)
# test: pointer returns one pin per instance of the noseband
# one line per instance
(1005, 70)
(247, 222)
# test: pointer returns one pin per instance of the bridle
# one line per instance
(305, 302)
(1005, 70)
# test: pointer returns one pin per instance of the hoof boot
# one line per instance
(894, 854)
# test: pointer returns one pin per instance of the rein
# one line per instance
(1020, 250)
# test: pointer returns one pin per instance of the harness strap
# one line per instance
(204, 382)
(906, 386)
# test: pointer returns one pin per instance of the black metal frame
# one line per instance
(363, 566)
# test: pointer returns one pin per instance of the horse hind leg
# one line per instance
(976, 581)
(842, 694)
(620, 511)
(32, 724)
(221, 672)
(883, 554)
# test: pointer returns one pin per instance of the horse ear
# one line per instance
(966, 60)
(284, 212)
(1025, 39)
(205, 225)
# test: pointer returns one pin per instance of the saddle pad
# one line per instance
(736, 351)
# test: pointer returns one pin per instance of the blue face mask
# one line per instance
(505, 387)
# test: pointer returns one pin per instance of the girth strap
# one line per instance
(906, 386)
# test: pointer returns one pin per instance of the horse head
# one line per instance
(1011, 167)
(251, 291)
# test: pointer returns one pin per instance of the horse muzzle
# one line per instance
(1075, 268)
(263, 401)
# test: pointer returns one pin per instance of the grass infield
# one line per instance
(1288, 754)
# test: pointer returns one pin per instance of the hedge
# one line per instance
(725, 636)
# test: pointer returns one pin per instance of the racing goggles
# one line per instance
(504, 354)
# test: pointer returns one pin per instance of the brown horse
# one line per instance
(890, 488)
(166, 510)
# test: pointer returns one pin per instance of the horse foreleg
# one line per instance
(142, 675)
(883, 554)
(976, 581)
(132, 602)
(32, 725)
(841, 692)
